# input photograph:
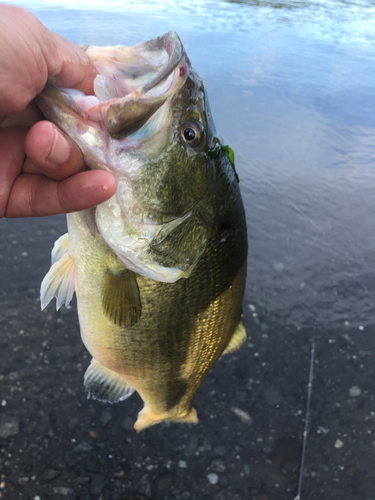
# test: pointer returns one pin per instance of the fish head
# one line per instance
(149, 123)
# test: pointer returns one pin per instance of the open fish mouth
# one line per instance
(132, 84)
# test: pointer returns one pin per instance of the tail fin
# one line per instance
(147, 418)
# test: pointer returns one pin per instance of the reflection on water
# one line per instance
(292, 90)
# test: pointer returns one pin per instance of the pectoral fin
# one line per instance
(59, 282)
(179, 244)
(121, 300)
(238, 338)
(106, 385)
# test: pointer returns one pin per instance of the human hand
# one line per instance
(41, 169)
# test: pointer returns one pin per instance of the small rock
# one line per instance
(105, 417)
(278, 266)
(351, 471)
(153, 437)
(73, 423)
(220, 450)
(9, 426)
(120, 473)
(273, 396)
(62, 490)
(204, 447)
(192, 446)
(241, 396)
(212, 478)
(75, 349)
(223, 481)
(145, 486)
(242, 371)
(199, 400)
(245, 417)
(14, 376)
(338, 443)
(82, 448)
(50, 475)
(80, 480)
(322, 430)
(246, 469)
(29, 428)
(23, 480)
(98, 484)
(163, 485)
(355, 391)
(182, 464)
(218, 465)
(348, 339)
(128, 423)
(93, 466)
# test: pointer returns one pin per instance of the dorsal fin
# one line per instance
(121, 300)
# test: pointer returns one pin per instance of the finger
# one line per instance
(35, 195)
(51, 152)
(24, 71)
(69, 65)
(26, 118)
(12, 157)
(30, 54)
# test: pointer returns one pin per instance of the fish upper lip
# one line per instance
(175, 50)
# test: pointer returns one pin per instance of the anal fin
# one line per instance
(121, 299)
(238, 338)
(106, 385)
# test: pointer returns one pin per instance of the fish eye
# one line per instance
(192, 133)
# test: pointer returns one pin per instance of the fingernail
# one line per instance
(60, 149)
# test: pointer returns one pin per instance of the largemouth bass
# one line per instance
(159, 270)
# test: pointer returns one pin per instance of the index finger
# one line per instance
(34, 195)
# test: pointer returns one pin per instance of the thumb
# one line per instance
(68, 65)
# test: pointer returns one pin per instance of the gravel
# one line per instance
(55, 443)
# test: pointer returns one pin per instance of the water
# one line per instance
(291, 85)
(292, 90)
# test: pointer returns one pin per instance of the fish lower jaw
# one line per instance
(147, 418)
